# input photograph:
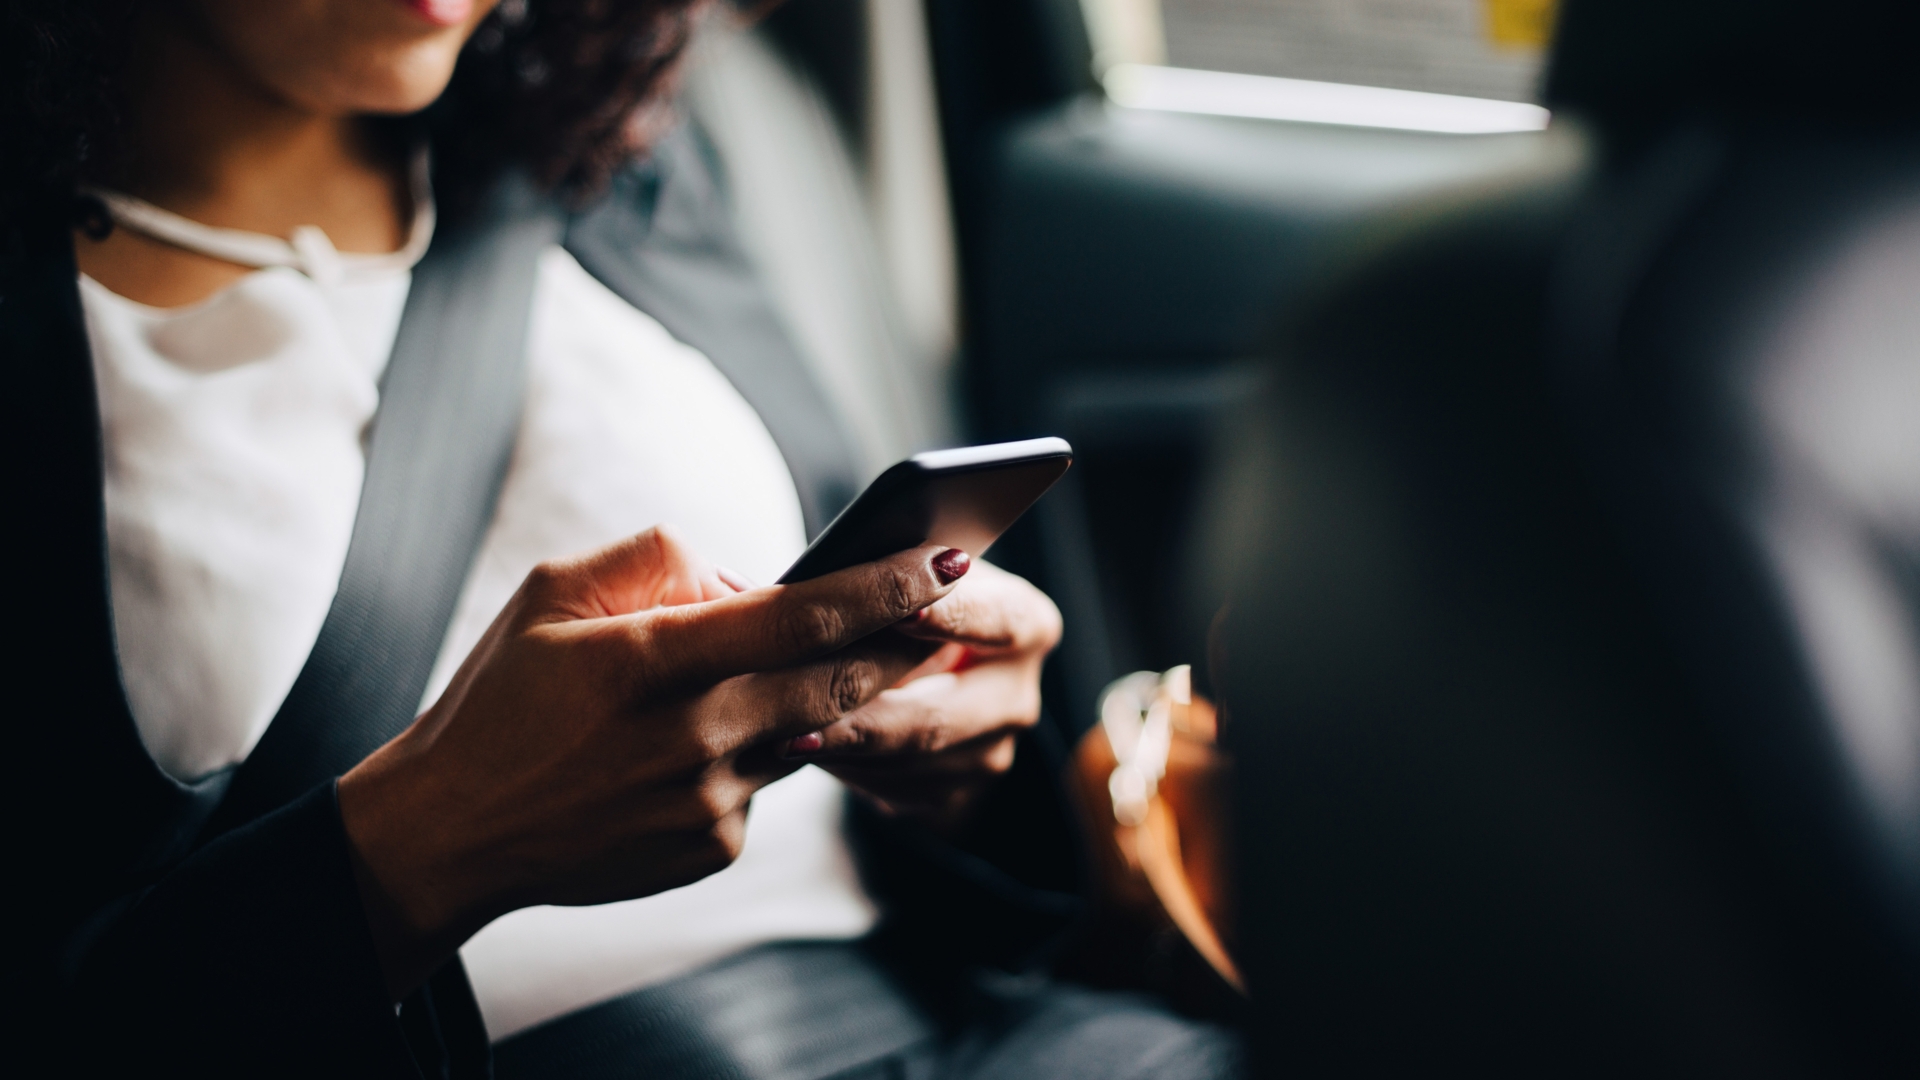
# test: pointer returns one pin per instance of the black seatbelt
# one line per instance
(450, 405)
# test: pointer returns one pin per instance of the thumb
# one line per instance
(655, 568)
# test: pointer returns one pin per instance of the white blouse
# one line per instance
(234, 436)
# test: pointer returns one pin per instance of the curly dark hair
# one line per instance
(561, 88)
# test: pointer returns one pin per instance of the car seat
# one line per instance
(840, 199)
(1572, 655)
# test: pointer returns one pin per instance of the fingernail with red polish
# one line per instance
(800, 745)
(951, 565)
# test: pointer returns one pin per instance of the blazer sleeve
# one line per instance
(252, 957)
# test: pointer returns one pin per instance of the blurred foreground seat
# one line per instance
(1573, 662)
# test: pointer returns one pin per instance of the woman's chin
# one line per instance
(394, 85)
(347, 57)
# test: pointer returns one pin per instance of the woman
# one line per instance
(254, 207)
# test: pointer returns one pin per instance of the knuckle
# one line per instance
(546, 578)
(691, 743)
(1052, 624)
(834, 692)
(930, 735)
(711, 806)
(956, 617)
(925, 742)
(706, 728)
(645, 657)
(855, 738)
(710, 742)
(669, 547)
(728, 837)
(679, 777)
(898, 590)
(812, 707)
(999, 758)
(809, 627)
(852, 681)
(1026, 709)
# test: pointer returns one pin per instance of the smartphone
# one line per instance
(962, 498)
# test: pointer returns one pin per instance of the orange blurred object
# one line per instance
(1151, 787)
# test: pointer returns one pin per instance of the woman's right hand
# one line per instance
(603, 739)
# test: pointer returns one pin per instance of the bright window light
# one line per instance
(1220, 93)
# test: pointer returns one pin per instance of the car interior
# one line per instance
(1540, 497)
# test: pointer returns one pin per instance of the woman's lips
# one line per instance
(441, 12)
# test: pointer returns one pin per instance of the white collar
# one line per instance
(308, 250)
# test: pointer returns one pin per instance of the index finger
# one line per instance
(783, 625)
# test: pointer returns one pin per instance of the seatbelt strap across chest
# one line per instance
(450, 406)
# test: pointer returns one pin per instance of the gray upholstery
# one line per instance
(850, 236)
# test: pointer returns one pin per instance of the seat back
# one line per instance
(1574, 642)
(822, 119)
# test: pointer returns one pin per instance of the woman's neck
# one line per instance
(209, 143)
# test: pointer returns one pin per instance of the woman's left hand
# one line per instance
(941, 735)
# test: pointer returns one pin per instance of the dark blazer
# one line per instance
(146, 942)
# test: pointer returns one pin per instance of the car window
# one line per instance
(1474, 48)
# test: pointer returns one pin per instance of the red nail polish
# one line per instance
(951, 565)
(809, 743)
